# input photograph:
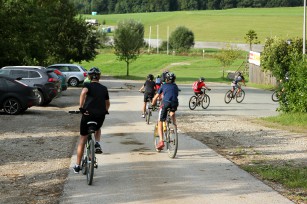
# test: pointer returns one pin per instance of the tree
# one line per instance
(227, 56)
(182, 39)
(251, 38)
(128, 40)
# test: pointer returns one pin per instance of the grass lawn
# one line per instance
(228, 25)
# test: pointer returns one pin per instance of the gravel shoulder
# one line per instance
(37, 147)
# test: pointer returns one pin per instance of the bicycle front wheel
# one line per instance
(84, 161)
(240, 96)
(90, 162)
(193, 102)
(205, 102)
(172, 141)
(228, 96)
(156, 138)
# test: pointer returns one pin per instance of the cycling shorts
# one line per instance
(85, 119)
(163, 109)
(148, 96)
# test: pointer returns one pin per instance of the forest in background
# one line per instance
(143, 6)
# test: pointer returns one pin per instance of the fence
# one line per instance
(257, 76)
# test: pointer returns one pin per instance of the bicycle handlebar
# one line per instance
(78, 112)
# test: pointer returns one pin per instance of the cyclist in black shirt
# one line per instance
(150, 90)
(94, 105)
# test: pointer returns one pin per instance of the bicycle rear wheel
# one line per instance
(240, 96)
(84, 161)
(148, 113)
(172, 141)
(90, 162)
(228, 96)
(205, 102)
(275, 96)
(193, 102)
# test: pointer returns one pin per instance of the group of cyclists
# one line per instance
(94, 104)
(165, 90)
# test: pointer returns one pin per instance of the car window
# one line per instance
(34, 74)
(19, 73)
(74, 69)
(4, 71)
(62, 68)
(83, 69)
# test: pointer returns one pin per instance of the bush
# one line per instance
(182, 39)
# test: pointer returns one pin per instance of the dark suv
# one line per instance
(46, 81)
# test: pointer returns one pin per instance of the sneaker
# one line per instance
(143, 116)
(98, 148)
(160, 145)
(76, 169)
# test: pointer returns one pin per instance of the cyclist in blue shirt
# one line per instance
(170, 100)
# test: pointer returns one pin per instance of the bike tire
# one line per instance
(172, 141)
(90, 162)
(193, 102)
(240, 96)
(156, 138)
(228, 96)
(275, 96)
(205, 102)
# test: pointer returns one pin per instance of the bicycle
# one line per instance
(199, 99)
(235, 94)
(149, 109)
(89, 160)
(170, 136)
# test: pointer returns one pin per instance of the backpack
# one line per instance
(195, 85)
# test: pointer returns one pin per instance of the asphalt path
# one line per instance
(130, 171)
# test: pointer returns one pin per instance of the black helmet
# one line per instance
(202, 79)
(94, 70)
(150, 77)
(170, 76)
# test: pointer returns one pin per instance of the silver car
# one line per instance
(75, 73)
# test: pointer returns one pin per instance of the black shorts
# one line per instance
(148, 96)
(163, 109)
(85, 119)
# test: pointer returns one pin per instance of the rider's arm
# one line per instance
(107, 105)
(83, 97)
(155, 99)
(141, 88)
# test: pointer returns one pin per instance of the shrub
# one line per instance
(182, 39)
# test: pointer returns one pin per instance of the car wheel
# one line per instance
(73, 82)
(40, 98)
(11, 106)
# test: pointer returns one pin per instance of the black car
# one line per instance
(15, 96)
(46, 81)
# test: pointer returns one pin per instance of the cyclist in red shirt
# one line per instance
(198, 85)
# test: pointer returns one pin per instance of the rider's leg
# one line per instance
(160, 130)
(98, 135)
(173, 117)
(80, 148)
(144, 107)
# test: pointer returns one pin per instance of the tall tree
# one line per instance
(128, 41)
(251, 38)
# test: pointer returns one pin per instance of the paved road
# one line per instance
(130, 171)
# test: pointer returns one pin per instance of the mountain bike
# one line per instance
(239, 96)
(202, 100)
(89, 160)
(170, 136)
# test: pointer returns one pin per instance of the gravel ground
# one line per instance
(37, 146)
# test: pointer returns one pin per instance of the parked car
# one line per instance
(15, 96)
(75, 74)
(46, 81)
(62, 77)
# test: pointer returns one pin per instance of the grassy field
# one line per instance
(228, 25)
(186, 68)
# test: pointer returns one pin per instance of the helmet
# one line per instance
(202, 79)
(158, 76)
(94, 73)
(94, 70)
(170, 76)
(150, 77)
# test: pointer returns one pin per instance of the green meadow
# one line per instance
(228, 25)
